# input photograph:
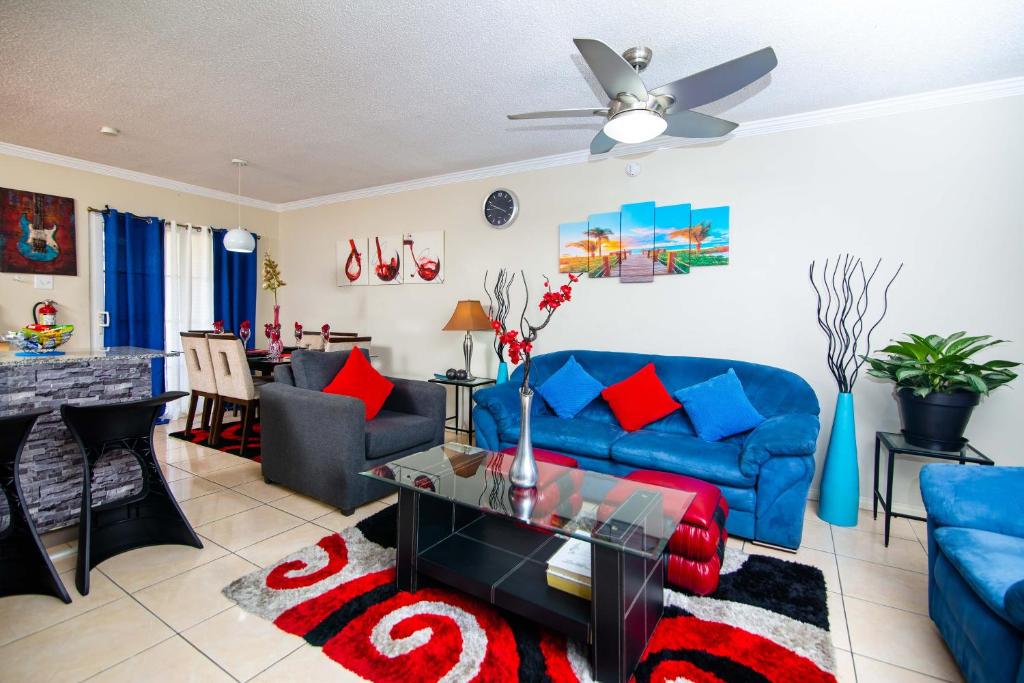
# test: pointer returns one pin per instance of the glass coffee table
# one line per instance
(462, 523)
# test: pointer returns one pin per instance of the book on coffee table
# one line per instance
(569, 568)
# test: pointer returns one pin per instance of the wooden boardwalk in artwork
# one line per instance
(639, 268)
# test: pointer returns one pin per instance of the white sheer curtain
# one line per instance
(188, 297)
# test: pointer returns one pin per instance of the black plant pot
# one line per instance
(936, 421)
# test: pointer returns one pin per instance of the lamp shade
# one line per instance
(241, 240)
(469, 316)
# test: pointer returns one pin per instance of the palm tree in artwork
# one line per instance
(586, 245)
(696, 234)
(599, 236)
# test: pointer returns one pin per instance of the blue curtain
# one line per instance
(234, 287)
(134, 284)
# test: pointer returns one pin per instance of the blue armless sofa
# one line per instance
(976, 566)
(764, 474)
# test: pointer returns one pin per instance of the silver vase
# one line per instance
(524, 467)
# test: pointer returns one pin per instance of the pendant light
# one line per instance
(237, 238)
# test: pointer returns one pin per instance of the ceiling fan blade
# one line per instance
(613, 72)
(601, 143)
(691, 124)
(560, 113)
(715, 83)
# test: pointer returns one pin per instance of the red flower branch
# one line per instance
(521, 348)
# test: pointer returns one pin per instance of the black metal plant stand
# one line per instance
(25, 568)
(896, 444)
(151, 517)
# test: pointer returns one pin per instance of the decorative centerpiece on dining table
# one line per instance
(523, 473)
(272, 281)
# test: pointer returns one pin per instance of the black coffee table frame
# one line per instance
(504, 563)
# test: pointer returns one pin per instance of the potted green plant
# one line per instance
(938, 385)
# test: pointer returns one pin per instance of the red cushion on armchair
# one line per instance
(358, 379)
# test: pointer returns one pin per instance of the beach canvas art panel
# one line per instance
(386, 260)
(37, 233)
(603, 233)
(636, 242)
(574, 247)
(423, 257)
(709, 236)
(672, 239)
(353, 262)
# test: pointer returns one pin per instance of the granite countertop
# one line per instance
(9, 358)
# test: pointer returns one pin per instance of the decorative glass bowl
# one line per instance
(30, 341)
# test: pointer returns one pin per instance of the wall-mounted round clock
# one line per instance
(501, 208)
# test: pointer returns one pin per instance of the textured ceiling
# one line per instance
(328, 96)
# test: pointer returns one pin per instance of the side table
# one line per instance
(470, 385)
(896, 444)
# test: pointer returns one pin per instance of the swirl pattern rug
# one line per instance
(768, 621)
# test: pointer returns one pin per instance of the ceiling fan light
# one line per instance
(239, 240)
(635, 125)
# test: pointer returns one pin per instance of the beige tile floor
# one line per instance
(157, 614)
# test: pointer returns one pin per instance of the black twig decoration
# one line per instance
(498, 306)
(843, 309)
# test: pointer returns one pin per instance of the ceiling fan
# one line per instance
(636, 114)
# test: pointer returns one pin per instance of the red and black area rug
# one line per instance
(767, 622)
(230, 439)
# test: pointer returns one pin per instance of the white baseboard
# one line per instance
(866, 504)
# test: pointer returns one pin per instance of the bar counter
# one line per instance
(51, 464)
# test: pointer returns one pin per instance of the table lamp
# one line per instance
(469, 316)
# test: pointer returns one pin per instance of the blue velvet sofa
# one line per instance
(764, 474)
(976, 566)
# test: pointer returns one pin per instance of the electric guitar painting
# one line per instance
(37, 243)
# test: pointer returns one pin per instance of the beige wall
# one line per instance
(17, 294)
(936, 189)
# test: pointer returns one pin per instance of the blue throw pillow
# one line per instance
(718, 407)
(570, 389)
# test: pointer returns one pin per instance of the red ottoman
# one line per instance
(696, 549)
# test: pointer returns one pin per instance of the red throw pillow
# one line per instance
(358, 379)
(640, 399)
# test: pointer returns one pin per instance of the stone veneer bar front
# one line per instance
(51, 464)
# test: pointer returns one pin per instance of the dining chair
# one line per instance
(200, 378)
(234, 385)
(344, 342)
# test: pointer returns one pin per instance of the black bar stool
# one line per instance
(24, 565)
(151, 517)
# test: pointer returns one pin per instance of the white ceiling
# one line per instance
(328, 96)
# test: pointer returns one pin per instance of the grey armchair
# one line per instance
(317, 443)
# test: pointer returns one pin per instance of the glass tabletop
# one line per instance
(631, 516)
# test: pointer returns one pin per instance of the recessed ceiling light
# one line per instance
(110, 130)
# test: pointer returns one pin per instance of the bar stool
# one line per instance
(234, 385)
(24, 565)
(200, 378)
(151, 517)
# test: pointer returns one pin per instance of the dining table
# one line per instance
(260, 361)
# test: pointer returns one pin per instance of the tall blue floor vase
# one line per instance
(839, 500)
(502, 372)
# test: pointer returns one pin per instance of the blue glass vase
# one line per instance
(839, 500)
(502, 372)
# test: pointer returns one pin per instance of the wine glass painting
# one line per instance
(423, 257)
(386, 259)
(353, 262)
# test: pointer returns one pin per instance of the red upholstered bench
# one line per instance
(697, 548)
